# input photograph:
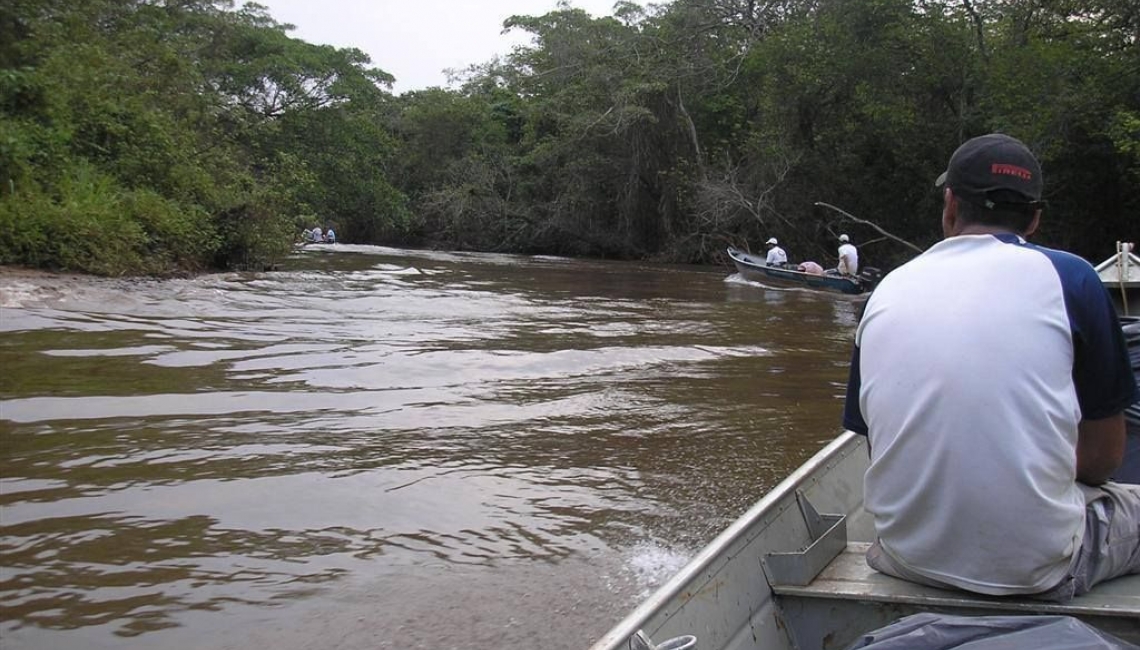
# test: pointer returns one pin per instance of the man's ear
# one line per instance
(1032, 228)
(949, 213)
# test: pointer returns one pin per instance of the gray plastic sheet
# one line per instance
(943, 632)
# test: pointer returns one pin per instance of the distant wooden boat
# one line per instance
(790, 574)
(1120, 274)
(755, 269)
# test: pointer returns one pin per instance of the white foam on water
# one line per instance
(652, 564)
(18, 293)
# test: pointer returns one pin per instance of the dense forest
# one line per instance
(174, 136)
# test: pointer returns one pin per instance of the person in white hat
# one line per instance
(848, 257)
(776, 255)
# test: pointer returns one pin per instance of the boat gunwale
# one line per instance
(769, 504)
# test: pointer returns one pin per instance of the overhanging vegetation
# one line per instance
(154, 136)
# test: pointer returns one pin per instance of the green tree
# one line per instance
(165, 110)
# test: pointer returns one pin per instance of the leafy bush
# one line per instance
(178, 238)
(91, 224)
(252, 237)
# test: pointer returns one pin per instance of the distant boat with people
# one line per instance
(754, 268)
(317, 236)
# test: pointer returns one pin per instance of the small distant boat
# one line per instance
(754, 268)
(790, 574)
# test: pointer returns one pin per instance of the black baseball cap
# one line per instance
(996, 172)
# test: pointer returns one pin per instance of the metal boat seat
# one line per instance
(865, 596)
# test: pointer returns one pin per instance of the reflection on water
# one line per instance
(389, 449)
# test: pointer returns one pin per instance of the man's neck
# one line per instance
(983, 229)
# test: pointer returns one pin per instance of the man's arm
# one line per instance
(1100, 448)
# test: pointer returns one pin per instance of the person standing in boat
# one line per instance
(991, 376)
(776, 255)
(848, 257)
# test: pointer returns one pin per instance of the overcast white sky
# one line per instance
(415, 40)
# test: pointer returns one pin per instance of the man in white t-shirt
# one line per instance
(990, 376)
(848, 257)
(776, 255)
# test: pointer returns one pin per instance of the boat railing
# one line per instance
(1124, 270)
(727, 574)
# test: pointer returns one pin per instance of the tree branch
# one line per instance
(978, 29)
(868, 223)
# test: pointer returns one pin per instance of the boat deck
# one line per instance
(1113, 606)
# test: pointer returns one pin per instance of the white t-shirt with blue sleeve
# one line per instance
(973, 365)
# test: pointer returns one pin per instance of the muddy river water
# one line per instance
(381, 448)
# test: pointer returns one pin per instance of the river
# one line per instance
(381, 448)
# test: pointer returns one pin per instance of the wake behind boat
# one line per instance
(754, 268)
